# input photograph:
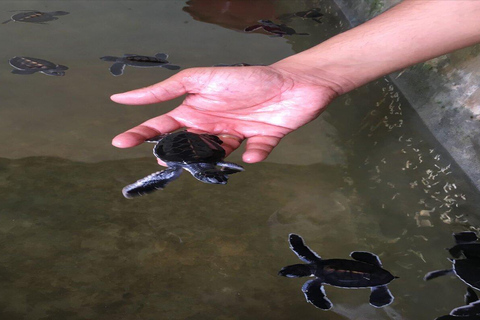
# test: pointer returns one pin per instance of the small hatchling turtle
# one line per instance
(313, 14)
(279, 30)
(199, 154)
(470, 311)
(135, 60)
(34, 16)
(467, 269)
(364, 271)
(27, 65)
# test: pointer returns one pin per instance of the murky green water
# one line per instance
(366, 175)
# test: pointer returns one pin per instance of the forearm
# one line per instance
(411, 32)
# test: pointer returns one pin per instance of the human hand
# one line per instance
(261, 104)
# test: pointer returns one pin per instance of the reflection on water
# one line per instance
(366, 175)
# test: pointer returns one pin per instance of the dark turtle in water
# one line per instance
(26, 65)
(471, 310)
(364, 271)
(467, 269)
(33, 16)
(199, 154)
(279, 30)
(135, 60)
(313, 14)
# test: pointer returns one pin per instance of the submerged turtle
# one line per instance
(466, 244)
(364, 271)
(313, 14)
(471, 310)
(199, 154)
(33, 16)
(26, 65)
(278, 30)
(468, 269)
(134, 60)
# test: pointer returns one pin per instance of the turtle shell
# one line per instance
(187, 147)
(33, 16)
(468, 270)
(136, 60)
(26, 63)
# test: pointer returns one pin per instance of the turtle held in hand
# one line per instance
(135, 60)
(364, 271)
(199, 154)
(26, 65)
(33, 16)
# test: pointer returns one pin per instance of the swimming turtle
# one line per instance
(27, 65)
(199, 154)
(135, 60)
(471, 310)
(466, 244)
(34, 16)
(467, 269)
(364, 271)
(313, 14)
(278, 30)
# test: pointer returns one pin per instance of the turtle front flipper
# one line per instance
(303, 252)
(58, 13)
(253, 28)
(109, 58)
(296, 271)
(366, 257)
(438, 273)
(155, 181)
(465, 312)
(6, 21)
(230, 167)
(170, 66)
(315, 294)
(117, 68)
(380, 297)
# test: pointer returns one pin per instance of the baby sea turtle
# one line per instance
(278, 30)
(26, 65)
(199, 154)
(33, 16)
(468, 269)
(313, 14)
(364, 271)
(134, 60)
(471, 310)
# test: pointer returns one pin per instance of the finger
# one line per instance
(177, 85)
(146, 130)
(259, 147)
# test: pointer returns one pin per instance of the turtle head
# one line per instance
(212, 176)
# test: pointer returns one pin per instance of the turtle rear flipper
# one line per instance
(296, 271)
(303, 252)
(470, 296)
(53, 72)
(366, 257)
(117, 68)
(435, 274)
(380, 297)
(170, 66)
(16, 71)
(151, 183)
(315, 294)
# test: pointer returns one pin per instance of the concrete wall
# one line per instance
(445, 91)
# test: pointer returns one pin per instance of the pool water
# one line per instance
(366, 175)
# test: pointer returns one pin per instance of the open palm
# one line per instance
(261, 104)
